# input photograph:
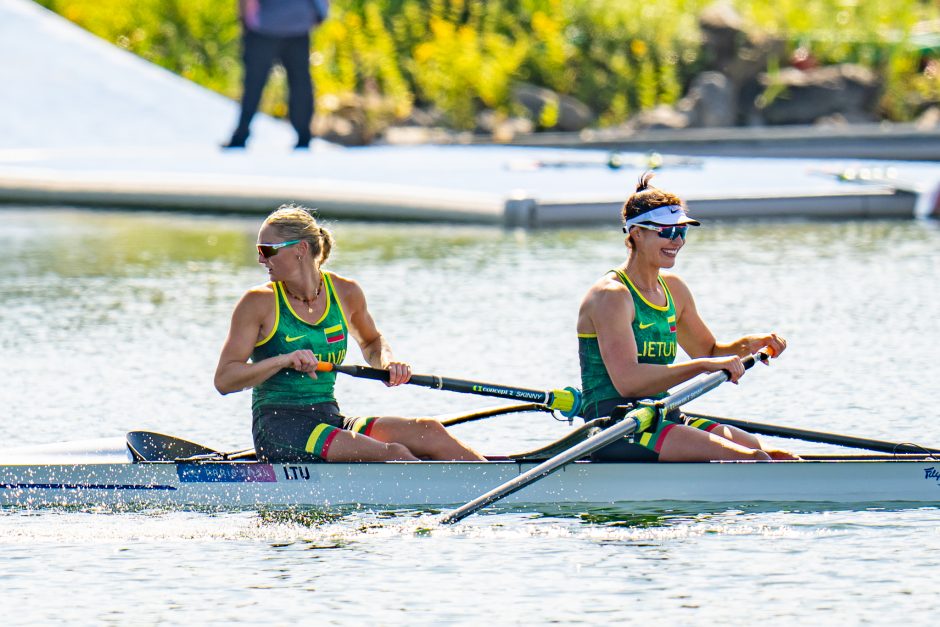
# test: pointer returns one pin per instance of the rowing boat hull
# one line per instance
(429, 484)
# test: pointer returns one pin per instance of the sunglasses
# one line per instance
(667, 232)
(269, 250)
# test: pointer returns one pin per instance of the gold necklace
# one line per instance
(308, 302)
(646, 290)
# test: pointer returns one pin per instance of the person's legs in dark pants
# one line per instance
(295, 56)
(258, 54)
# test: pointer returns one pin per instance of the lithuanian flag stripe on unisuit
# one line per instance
(702, 423)
(363, 425)
(320, 439)
(654, 440)
(334, 334)
(672, 323)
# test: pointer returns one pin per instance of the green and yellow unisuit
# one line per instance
(294, 416)
(654, 328)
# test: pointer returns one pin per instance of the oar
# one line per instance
(822, 437)
(459, 418)
(613, 160)
(149, 446)
(567, 401)
(639, 419)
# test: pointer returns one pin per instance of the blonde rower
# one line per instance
(281, 329)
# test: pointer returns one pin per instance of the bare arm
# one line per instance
(234, 371)
(375, 348)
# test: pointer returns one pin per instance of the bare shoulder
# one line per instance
(344, 285)
(607, 298)
(681, 294)
(348, 290)
(675, 283)
(606, 288)
(257, 299)
(258, 292)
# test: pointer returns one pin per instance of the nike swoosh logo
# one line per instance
(642, 326)
(294, 339)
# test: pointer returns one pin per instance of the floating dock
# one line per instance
(497, 185)
(874, 140)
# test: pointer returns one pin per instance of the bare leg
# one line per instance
(425, 437)
(355, 447)
(750, 440)
(688, 444)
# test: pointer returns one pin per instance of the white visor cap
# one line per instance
(670, 215)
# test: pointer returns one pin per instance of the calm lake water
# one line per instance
(112, 321)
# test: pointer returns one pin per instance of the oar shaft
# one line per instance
(483, 389)
(638, 419)
(822, 437)
(622, 429)
(489, 412)
(691, 392)
(563, 400)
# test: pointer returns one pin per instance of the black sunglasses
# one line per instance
(269, 250)
(667, 232)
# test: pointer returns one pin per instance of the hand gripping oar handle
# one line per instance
(637, 420)
(567, 401)
(691, 392)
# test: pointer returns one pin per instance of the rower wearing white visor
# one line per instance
(629, 326)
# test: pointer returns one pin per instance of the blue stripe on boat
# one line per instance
(82, 486)
(226, 473)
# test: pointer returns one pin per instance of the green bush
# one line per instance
(458, 56)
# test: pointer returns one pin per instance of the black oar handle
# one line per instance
(566, 401)
(764, 356)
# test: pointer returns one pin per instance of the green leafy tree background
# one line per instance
(461, 56)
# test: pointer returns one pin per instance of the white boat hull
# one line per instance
(429, 484)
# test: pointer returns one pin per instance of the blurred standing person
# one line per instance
(278, 30)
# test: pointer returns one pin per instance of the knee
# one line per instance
(430, 425)
(761, 456)
(724, 431)
(398, 451)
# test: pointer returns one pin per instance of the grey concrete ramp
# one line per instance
(63, 87)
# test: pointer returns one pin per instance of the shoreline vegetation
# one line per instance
(431, 70)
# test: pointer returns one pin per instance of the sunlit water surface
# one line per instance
(113, 321)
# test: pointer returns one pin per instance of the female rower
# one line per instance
(628, 326)
(281, 329)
